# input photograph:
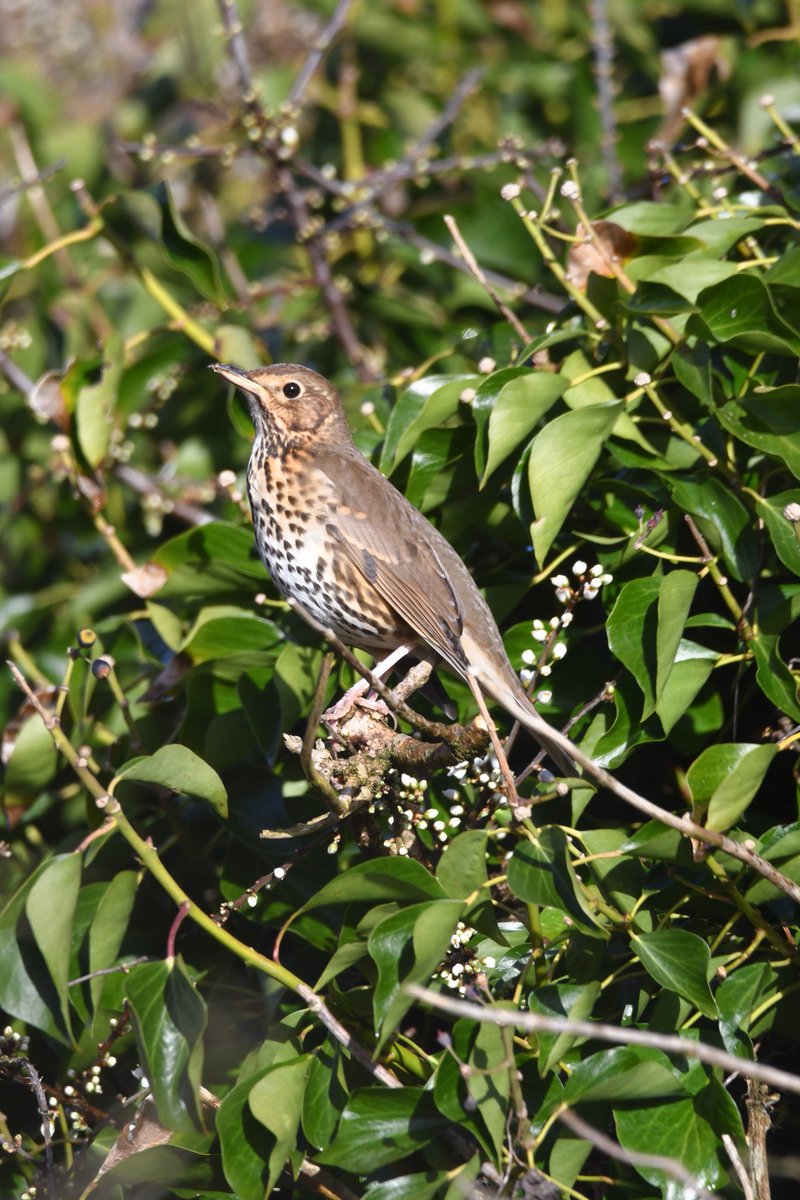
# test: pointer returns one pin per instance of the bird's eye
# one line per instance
(292, 390)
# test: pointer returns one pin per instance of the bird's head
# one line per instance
(291, 406)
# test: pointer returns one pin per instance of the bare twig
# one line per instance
(670, 1166)
(535, 296)
(447, 116)
(345, 1038)
(144, 485)
(738, 1166)
(318, 51)
(16, 376)
(603, 48)
(669, 1043)
(475, 269)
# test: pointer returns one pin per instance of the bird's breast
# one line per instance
(293, 506)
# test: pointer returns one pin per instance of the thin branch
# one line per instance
(603, 50)
(475, 269)
(670, 1166)
(535, 296)
(318, 51)
(16, 376)
(447, 116)
(345, 1038)
(670, 1043)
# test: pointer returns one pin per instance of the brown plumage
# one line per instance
(341, 541)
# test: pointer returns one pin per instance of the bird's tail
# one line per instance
(517, 705)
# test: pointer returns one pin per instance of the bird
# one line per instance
(345, 546)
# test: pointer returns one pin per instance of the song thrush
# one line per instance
(347, 547)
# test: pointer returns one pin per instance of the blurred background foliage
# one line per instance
(176, 192)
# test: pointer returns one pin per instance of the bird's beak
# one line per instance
(236, 376)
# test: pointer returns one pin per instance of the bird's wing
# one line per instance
(394, 548)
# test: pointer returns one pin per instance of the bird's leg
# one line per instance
(342, 707)
(505, 770)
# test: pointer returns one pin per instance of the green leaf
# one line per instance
(222, 630)
(623, 1073)
(674, 601)
(785, 534)
(406, 948)
(276, 1101)
(632, 632)
(154, 215)
(26, 988)
(409, 1187)
(95, 405)
(510, 403)
(169, 1017)
(462, 867)
(325, 1095)
(398, 879)
(741, 310)
(739, 995)
(679, 961)
(541, 872)
(767, 419)
(476, 1099)
(380, 1126)
(424, 404)
(213, 546)
(50, 909)
(572, 1000)
(723, 520)
(725, 778)
(561, 460)
(109, 927)
(688, 1130)
(32, 763)
(179, 769)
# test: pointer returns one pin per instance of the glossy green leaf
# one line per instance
(674, 601)
(679, 961)
(50, 908)
(222, 630)
(632, 629)
(514, 401)
(541, 872)
(784, 533)
(741, 310)
(476, 1098)
(688, 1130)
(623, 1073)
(725, 778)
(27, 990)
(768, 419)
(407, 947)
(572, 1000)
(399, 879)
(169, 1017)
(723, 520)
(561, 460)
(276, 1101)
(424, 404)
(421, 1186)
(109, 927)
(462, 867)
(180, 770)
(381, 1126)
(215, 546)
